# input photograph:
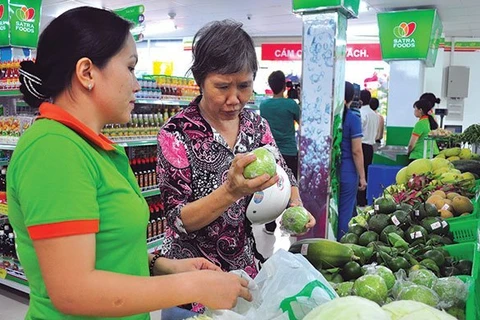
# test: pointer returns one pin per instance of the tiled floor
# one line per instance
(14, 304)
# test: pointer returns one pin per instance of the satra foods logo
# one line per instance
(403, 32)
(26, 20)
(25, 14)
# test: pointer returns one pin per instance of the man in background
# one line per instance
(370, 131)
(281, 113)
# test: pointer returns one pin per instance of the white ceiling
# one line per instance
(271, 18)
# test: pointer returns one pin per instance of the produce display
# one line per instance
(402, 250)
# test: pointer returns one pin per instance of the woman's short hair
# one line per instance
(222, 47)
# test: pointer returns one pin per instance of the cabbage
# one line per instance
(348, 308)
(413, 310)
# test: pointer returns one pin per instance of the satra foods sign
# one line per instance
(410, 35)
(293, 51)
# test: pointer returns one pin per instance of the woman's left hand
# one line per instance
(170, 266)
(311, 221)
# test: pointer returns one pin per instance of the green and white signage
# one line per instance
(349, 7)
(135, 15)
(410, 35)
(4, 24)
(24, 16)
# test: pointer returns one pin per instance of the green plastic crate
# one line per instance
(466, 251)
(472, 305)
(474, 215)
(464, 230)
(469, 251)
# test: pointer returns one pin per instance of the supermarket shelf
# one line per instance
(151, 192)
(155, 243)
(15, 285)
(163, 102)
(252, 107)
(4, 162)
(10, 93)
(137, 143)
(4, 146)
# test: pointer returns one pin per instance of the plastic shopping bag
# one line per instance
(286, 288)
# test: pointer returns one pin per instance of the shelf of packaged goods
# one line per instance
(10, 93)
(14, 279)
(4, 146)
(151, 192)
(137, 143)
(252, 107)
(155, 243)
(164, 102)
(4, 163)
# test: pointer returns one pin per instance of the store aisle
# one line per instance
(14, 304)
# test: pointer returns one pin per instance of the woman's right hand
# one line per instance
(362, 185)
(238, 186)
(220, 290)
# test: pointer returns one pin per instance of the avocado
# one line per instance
(384, 205)
(378, 222)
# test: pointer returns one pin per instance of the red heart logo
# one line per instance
(2, 10)
(30, 14)
(411, 29)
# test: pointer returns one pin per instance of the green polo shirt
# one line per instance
(421, 130)
(63, 179)
(281, 114)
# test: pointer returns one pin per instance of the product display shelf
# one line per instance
(147, 141)
(150, 192)
(155, 243)
(5, 146)
(10, 93)
(165, 102)
(15, 283)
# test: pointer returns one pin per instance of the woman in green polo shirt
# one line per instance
(422, 109)
(77, 211)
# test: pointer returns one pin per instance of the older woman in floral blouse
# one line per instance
(204, 149)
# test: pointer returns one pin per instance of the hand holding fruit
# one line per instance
(239, 186)
(297, 221)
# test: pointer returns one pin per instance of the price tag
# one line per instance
(304, 249)
(417, 213)
(436, 225)
(395, 221)
(444, 224)
(376, 207)
(445, 207)
(416, 235)
(3, 273)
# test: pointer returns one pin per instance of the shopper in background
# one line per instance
(352, 172)
(204, 149)
(281, 113)
(369, 130)
(422, 109)
(77, 211)
(374, 104)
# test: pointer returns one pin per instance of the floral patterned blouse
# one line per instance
(193, 161)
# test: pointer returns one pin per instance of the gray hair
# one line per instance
(222, 47)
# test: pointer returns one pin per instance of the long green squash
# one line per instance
(323, 253)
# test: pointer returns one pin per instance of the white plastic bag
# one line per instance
(287, 288)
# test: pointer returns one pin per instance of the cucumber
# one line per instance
(323, 252)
